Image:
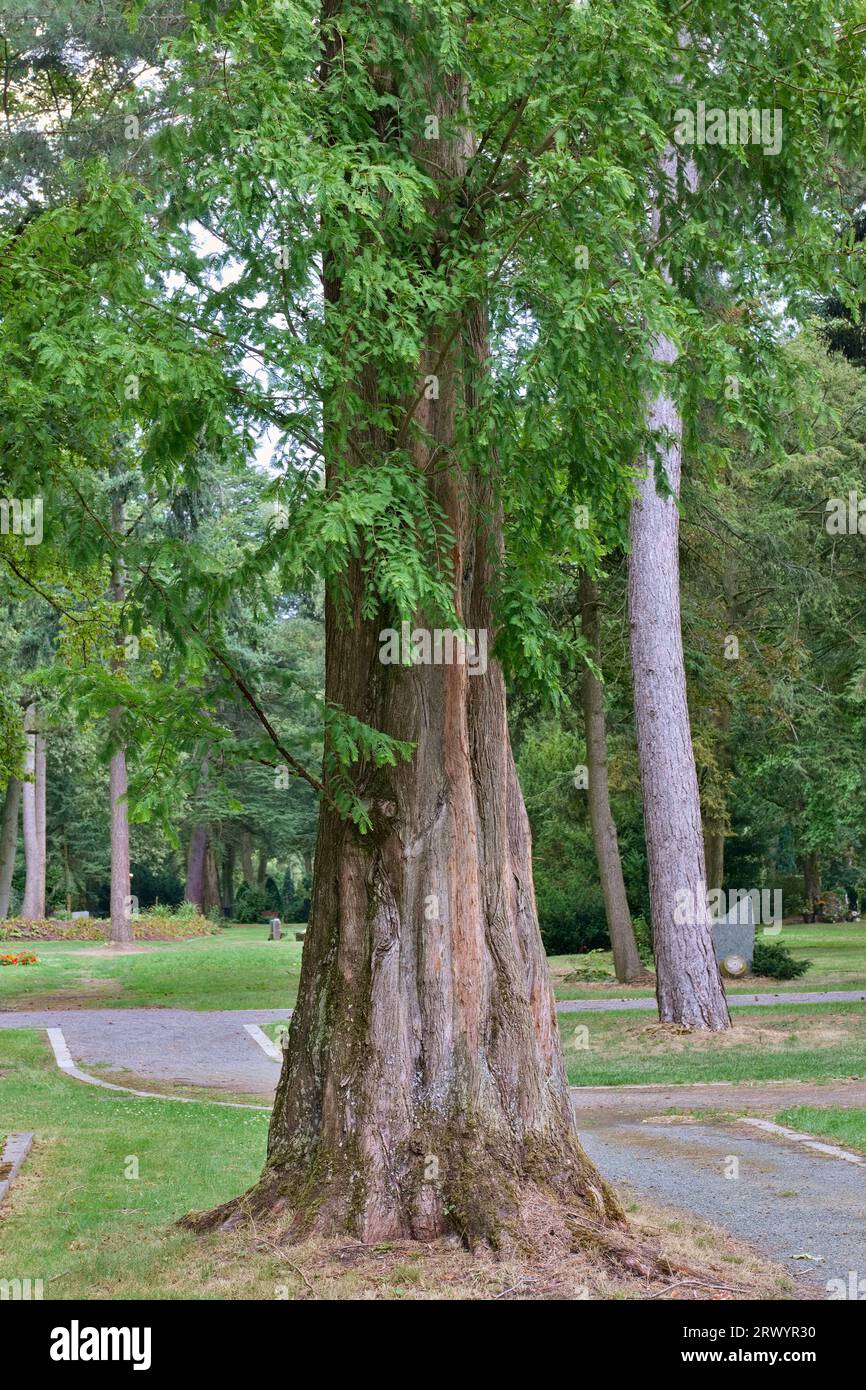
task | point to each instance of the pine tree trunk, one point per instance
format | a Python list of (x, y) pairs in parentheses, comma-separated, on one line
[(423, 1091), (8, 842), (195, 869), (627, 962), (33, 905), (688, 984)]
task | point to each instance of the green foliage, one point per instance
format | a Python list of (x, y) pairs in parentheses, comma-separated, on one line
[(773, 959)]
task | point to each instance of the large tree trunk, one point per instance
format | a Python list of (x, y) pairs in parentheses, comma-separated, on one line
[(195, 867), (688, 984), (122, 930), (423, 1091), (33, 905), (8, 842), (626, 960)]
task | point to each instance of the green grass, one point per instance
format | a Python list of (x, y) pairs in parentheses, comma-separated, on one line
[(75, 1221), (239, 969), (801, 1042), (837, 953), (840, 1126)]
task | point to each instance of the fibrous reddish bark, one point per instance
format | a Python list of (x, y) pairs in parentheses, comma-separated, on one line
[(423, 1090)]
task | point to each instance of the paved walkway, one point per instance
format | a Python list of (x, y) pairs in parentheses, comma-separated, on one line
[(180, 1045)]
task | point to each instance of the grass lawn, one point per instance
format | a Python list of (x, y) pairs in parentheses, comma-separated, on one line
[(238, 969), (847, 1127), (241, 969), (837, 953), (75, 1220), (802, 1042)]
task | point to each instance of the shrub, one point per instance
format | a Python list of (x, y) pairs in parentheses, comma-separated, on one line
[(644, 939), (775, 960), (250, 903), (572, 919)]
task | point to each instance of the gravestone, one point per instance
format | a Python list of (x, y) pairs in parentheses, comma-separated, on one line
[(734, 938), (276, 929)]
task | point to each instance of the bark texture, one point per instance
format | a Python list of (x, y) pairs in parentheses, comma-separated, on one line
[(33, 904), (423, 1090), (8, 842), (689, 988), (627, 961)]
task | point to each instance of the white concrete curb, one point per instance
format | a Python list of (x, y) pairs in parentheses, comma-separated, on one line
[(807, 1140)]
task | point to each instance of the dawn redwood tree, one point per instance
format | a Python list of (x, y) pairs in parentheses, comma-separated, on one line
[(423, 1089), (438, 305)]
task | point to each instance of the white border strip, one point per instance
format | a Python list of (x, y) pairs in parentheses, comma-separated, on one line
[(807, 1140), (263, 1041), (63, 1057)]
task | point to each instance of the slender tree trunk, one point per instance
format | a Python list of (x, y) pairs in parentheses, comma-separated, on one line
[(228, 880), (626, 960), (247, 858), (8, 842), (122, 930), (262, 872), (41, 788), (195, 870), (688, 984), (33, 905), (423, 1090), (714, 857), (811, 882), (211, 894)]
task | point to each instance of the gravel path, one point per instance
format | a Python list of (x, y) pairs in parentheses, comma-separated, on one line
[(785, 1201)]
